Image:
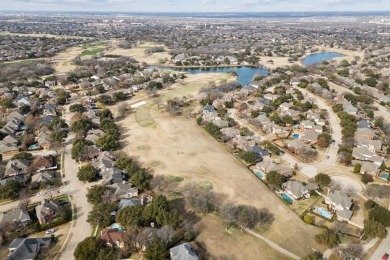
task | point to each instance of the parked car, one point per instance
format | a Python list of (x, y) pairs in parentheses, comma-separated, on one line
[(50, 231), (41, 193), (385, 257)]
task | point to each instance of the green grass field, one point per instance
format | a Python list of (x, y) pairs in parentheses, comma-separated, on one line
[(92, 52)]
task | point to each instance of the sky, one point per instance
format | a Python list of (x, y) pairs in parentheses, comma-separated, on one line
[(196, 5)]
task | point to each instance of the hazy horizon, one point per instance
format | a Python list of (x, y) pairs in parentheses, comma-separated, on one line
[(204, 6)]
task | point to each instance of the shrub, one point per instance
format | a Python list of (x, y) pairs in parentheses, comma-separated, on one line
[(369, 204), (366, 178), (357, 168), (329, 238)]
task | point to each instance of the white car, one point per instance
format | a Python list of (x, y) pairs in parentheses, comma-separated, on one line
[(50, 231), (41, 193)]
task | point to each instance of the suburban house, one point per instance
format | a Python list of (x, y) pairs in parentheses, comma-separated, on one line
[(307, 125), (19, 178), (349, 108), (27, 248), (271, 97), (123, 190), (257, 150), (43, 139), (42, 177), (268, 165), (364, 154), (112, 175), (93, 135), (310, 136), (243, 142), (8, 148), (229, 133), (372, 145), (220, 122), (364, 123), (123, 203), (285, 106), (341, 203), (18, 216), (364, 133), (16, 167), (209, 113), (296, 146), (111, 237), (367, 167), (44, 163), (291, 112), (298, 189), (104, 161), (47, 210), (183, 252)]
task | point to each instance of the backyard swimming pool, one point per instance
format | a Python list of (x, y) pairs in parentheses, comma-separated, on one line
[(117, 226), (295, 136), (384, 175), (260, 175), (286, 198), (324, 213)]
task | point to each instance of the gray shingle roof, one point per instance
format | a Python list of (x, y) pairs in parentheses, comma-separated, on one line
[(183, 252), (27, 248)]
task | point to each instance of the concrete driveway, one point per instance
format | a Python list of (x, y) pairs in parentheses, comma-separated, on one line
[(348, 183)]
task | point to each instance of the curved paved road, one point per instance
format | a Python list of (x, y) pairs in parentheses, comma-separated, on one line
[(80, 228), (330, 157)]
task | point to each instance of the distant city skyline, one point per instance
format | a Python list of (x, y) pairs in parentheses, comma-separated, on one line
[(197, 6)]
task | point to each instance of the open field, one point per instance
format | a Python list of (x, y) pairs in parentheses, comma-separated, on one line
[(42, 35), (229, 243), (193, 83), (139, 54), (179, 147), (277, 62)]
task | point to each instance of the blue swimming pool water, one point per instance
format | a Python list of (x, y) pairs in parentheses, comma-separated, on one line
[(324, 213), (385, 176), (259, 174), (117, 226), (295, 136), (317, 58), (286, 198)]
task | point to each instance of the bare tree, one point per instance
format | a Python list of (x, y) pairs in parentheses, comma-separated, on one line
[(309, 153), (351, 251), (341, 227), (166, 233), (24, 199), (123, 109), (380, 191)]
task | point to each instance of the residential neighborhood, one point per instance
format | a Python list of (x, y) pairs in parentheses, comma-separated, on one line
[(169, 135)]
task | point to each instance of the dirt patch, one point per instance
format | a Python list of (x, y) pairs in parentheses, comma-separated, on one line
[(188, 151)]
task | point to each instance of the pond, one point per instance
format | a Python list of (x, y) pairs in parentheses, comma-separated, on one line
[(317, 58), (244, 73)]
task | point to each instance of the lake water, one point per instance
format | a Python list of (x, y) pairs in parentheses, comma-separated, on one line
[(317, 58), (245, 74)]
